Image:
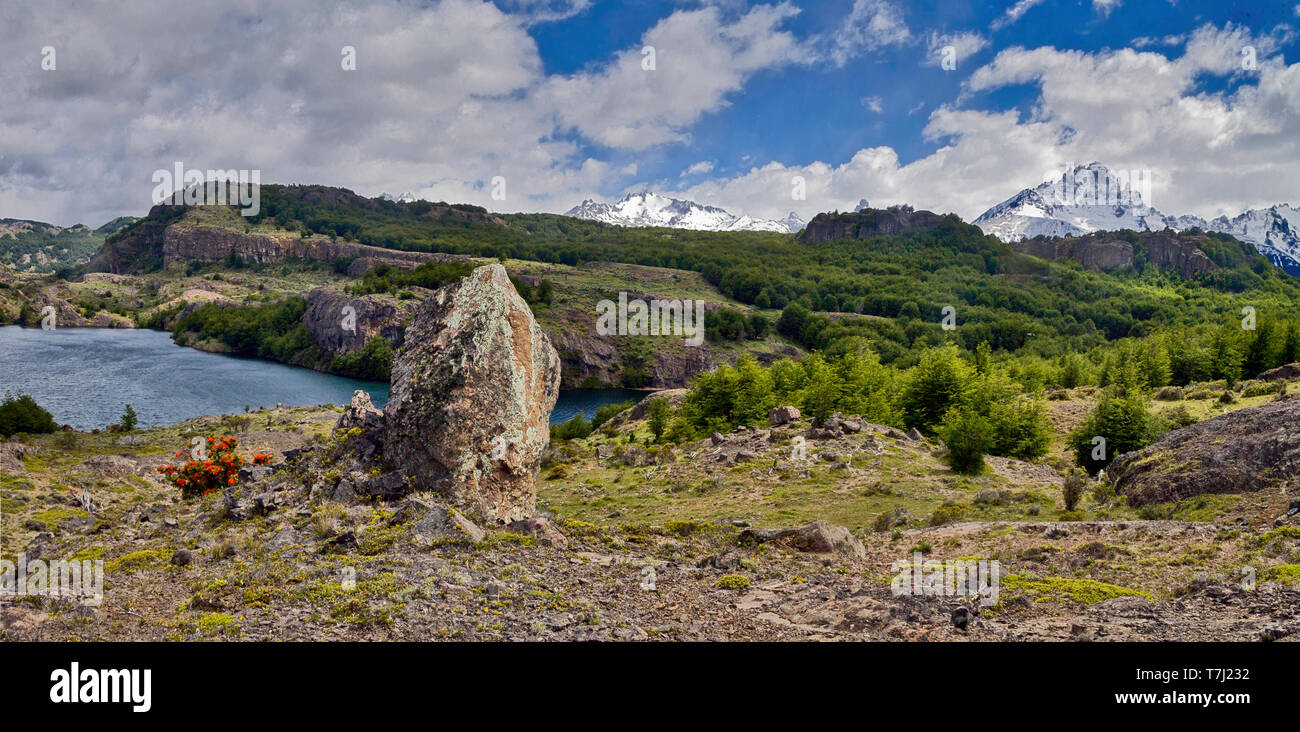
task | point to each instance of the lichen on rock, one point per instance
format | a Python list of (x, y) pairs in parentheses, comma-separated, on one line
[(471, 397)]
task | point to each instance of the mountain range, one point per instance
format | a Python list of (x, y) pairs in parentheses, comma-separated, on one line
[(652, 209), (1091, 198)]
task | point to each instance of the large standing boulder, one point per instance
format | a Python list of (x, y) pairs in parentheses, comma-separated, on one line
[(472, 391), (1246, 450)]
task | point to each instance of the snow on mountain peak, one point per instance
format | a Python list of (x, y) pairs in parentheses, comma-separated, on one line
[(648, 208), (1087, 198)]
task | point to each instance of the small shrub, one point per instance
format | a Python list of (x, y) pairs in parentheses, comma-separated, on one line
[(732, 582), (128, 420), (576, 428), (948, 513), (1072, 488), (1169, 394), (208, 475), (967, 435)]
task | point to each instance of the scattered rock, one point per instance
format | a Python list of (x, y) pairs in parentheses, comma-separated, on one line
[(817, 537), (783, 415), (360, 414), (182, 557), (344, 542), (436, 523), (109, 465), (11, 456), (960, 618), (254, 473), (633, 456), (541, 529), (39, 544)]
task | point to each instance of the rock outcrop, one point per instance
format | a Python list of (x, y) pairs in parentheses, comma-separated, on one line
[(867, 223), (1246, 450), (1106, 251), (336, 329), (471, 398), (1286, 371)]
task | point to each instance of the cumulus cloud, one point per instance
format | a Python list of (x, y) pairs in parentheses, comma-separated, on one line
[(447, 95), (1210, 153), (444, 96), (686, 66)]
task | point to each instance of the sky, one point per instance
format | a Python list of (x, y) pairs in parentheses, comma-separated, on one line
[(536, 105)]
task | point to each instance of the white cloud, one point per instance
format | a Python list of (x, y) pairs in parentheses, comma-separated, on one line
[(964, 45), (446, 95), (1169, 40), (871, 25), (1105, 6), (698, 60), (544, 11), (874, 103), (704, 166), (1211, 153), (1014, 13)]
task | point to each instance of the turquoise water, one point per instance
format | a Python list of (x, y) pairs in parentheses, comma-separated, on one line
[(84, 377)]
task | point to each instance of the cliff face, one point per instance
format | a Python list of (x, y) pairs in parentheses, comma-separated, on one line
[(134, 251), (1106, 251), (213, 244), (176, 234), (152, 243), (867, 223), (339, 331)]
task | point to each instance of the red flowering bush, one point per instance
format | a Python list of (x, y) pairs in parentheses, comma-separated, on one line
[(212, 469)]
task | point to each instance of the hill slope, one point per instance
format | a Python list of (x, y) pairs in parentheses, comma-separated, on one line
[(35, 246)]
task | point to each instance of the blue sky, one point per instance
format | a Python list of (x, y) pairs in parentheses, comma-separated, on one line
[(551, 97), (826, 112)]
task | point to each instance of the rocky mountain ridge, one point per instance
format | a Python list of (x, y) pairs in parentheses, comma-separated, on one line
[(1091, 198)]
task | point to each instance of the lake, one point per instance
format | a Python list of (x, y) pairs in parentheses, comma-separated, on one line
[(84, 377)]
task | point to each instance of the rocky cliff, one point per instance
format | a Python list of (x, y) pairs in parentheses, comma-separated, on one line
[(867, 223), (152, 244), (339, 330), (1108, 251)]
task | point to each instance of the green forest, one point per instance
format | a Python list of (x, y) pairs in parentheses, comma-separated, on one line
[(942, 328)]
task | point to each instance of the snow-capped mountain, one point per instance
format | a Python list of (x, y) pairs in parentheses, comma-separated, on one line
[(1091, 198), (1275, 232), (407, 197), (652, 209)]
